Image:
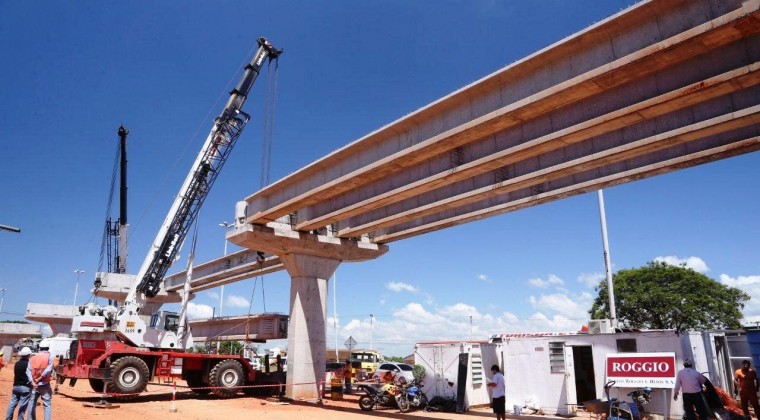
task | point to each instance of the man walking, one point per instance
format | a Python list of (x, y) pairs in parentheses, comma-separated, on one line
[(41, 371), (22, 386), (690, 381), (746, 385), (499, 393)]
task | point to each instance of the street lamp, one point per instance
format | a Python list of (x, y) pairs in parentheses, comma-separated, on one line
[(226, 226), (2, 298), (76, 290)]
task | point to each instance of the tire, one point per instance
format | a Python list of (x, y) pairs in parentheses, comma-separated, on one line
[(96, 384), (226, 378), (129, 377), (366, 403), (423, 400), (196, 384), (403, 403)]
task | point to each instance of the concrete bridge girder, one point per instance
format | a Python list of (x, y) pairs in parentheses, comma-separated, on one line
[(661, 86)]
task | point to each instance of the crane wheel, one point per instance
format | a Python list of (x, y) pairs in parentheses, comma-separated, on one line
[(226, 378), (129, 377), (96, 384)]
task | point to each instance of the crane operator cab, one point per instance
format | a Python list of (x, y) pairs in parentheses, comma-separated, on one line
[(163, 329)]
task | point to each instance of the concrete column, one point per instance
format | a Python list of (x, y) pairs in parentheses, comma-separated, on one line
[(308, 312)]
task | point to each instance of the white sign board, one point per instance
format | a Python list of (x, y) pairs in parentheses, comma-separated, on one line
[(637, 370)]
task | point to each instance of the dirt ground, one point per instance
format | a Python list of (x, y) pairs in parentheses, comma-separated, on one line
[(156, 403)]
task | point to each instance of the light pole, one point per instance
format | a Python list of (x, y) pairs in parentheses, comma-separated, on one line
[(2, 298), (226, 226), (76, 290)]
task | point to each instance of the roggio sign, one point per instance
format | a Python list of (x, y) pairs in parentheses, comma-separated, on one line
[(633, 370)]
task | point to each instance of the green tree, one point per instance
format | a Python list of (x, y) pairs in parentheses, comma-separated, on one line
[(397, 359), (662, 296)]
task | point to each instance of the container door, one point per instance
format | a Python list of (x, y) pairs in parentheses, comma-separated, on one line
[(567, 405)]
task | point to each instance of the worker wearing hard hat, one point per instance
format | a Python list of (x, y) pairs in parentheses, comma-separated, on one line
[(41, 371), (22, 385)]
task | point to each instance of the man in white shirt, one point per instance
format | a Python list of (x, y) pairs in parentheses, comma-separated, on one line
[(690, 381), (499, 396)]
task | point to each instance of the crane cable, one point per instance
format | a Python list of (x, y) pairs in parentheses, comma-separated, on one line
[(270, 102)]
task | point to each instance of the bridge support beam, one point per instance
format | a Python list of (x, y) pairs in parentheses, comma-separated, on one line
[(311, 260), (309, 276)]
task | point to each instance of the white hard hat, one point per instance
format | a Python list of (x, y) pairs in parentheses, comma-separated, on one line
[(44, 344), (26, 351)]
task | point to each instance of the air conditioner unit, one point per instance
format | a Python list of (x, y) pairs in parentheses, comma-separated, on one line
[(600, 326)]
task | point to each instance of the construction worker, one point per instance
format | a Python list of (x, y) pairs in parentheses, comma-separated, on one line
[(691, 381), (41, 371), (347, 376), (746, 385), (22, 385)]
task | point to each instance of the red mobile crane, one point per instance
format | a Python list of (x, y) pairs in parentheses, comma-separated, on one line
[(124, 349)]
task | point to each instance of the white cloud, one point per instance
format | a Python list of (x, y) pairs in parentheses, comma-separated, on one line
[(195, 311), (695, 263), (459, 310), (543, 284), (398, 287), (395, 334), (483, 277), (213, 294), (751, 286), (569, 306), (233, 301), (591, 280)]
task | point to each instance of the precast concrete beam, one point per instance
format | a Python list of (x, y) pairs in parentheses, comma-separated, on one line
[(342, 173), (11, 332), (58, 317), (115, 286), (236, 266)]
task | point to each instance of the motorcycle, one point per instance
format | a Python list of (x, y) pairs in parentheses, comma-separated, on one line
[(411, 397), (623, 410), (374, 396), (641, 397)]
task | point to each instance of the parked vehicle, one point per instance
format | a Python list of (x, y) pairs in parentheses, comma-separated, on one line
[(399, 370), (124, 348), (385, 395), (413, 395), (333, 366)]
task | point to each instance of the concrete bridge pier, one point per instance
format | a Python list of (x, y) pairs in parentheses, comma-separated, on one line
[(309, 277), (310, 259)]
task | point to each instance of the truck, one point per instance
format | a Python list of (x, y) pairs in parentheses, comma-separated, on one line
[(119, 349)]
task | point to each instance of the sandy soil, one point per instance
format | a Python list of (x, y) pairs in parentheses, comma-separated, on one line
[(157, 403)]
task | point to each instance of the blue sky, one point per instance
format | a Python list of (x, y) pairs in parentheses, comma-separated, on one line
[(74, 71)]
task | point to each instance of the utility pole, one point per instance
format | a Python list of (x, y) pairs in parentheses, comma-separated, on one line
[(335, 314), (371, 329), (76, 289), (607, 265)]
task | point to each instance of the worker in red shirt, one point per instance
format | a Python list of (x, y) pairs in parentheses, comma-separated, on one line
[(746, 385)]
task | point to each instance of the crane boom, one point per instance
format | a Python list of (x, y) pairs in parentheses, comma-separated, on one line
[(217, 147)]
